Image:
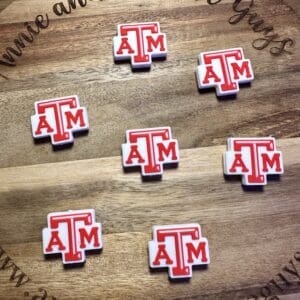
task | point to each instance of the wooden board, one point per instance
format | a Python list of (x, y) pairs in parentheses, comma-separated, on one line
[(74, 56), (253, 236)]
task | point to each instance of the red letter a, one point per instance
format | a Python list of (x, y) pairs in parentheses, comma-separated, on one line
[(210, 74), (55, 241), (238, 163), (43, 123), (162, 254), (125, 46), (134, 154)]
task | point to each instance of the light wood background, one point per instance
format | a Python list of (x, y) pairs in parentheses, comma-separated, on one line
[(74, 56), (252, 235)]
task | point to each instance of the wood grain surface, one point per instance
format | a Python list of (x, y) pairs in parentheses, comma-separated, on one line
[(253, 235), (74, 56)]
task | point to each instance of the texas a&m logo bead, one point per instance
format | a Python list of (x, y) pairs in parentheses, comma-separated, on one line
[(150, 149), (253, 159), (71, 233), (224, 70), (178, 248), (140, 43), (58, 119)]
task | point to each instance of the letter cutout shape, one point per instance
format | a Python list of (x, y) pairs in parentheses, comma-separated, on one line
[(178, 248), (253, 159), (224, 70), (150, 149), (139, 43), (71, 233), (58, 119)]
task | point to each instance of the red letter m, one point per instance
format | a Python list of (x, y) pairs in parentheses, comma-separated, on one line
[(153, 44), (75, 118), (200, 251), (267, 161), (85, 236), (165, 152), (241, 70)]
